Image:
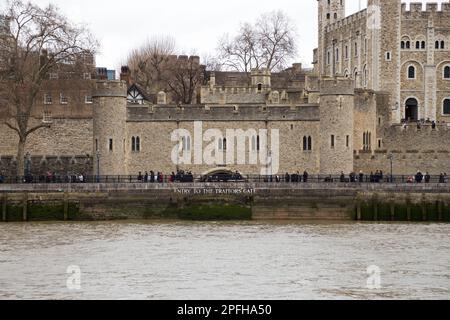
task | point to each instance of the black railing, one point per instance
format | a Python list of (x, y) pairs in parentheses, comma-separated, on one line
[(236, 178)]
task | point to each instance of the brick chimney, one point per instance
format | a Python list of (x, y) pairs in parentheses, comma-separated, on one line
[(125, 75)]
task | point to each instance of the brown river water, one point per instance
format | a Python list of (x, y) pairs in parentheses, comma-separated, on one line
[(239, 260)]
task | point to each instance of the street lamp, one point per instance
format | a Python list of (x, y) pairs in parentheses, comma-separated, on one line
[(391, 158), (98, 166)]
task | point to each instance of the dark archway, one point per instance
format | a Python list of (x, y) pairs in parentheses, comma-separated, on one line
[(411, 110)]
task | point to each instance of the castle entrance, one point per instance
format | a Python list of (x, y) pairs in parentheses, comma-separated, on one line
[(412, 110)]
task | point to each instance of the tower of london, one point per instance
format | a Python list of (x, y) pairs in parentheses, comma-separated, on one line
[(379, 91)]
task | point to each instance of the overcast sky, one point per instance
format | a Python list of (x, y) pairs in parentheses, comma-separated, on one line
[(196, 25)]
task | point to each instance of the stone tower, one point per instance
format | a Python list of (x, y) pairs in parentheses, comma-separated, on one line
[(330, 11), (110, 113), (336, 125), (384, 28)]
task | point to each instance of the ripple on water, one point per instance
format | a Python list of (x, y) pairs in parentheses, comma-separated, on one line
[(214, 260)]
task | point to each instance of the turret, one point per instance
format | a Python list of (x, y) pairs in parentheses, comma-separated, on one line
[(330, 11), (336, 125), (110, 112)]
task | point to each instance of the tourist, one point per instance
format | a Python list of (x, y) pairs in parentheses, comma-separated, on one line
[(433, 125), (2, 178), (152, 176), (140, 177), (146, 177), (305, 177), (172, 177), (419, 177), (81, 178), (427, 178), (342, 179), (441, 178), (361, 176), (287, 178)]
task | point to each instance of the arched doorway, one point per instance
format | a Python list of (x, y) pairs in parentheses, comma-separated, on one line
[(411, 110)]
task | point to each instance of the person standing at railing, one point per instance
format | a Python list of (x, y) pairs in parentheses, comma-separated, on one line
[(427, 178), (305, 177)]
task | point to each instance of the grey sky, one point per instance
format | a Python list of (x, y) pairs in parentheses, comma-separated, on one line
[(196, 25)]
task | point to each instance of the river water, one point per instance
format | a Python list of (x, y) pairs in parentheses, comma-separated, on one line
[(242, 260)]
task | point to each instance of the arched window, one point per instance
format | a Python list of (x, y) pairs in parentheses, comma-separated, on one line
[(408, 45), (133, 144), (257, 143), (259, 87), (442, 44), (253, 143), (436, 45), (309, 143), (305, 143), (423, 45), (417, 44), (402, 44), (224, 145), (138, 144), (446, 107), (447, 72), (411, 72)]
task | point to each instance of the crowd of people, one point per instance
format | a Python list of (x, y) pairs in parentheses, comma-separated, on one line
[(151, 177), (296, 177)]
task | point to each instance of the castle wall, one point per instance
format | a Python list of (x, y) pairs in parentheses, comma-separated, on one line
[(65, 137), (156, 150)]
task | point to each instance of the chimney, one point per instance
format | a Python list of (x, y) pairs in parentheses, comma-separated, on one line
[(125, 75)]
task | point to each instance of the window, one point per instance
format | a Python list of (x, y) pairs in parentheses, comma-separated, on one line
[(402, 45), (411, 72), (259, 87), (446, 107), (388, 56), (417, 44), (135, 144), (442, 44), (337, 55), (110, 145), (88, 100), (408, 45), (332, 141), (356, 49), (367, 141), (307, 143), (346, 52), (87, 76), (328, 58), (447, 72), (96, 144), (423, 45), (62, 98), (47, 98), (186, 143), (347, 141), (436, 45)]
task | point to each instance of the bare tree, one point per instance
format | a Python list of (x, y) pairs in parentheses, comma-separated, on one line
[(184, 77), (148, 63), (276, 40), (35, 42), (269, 43)]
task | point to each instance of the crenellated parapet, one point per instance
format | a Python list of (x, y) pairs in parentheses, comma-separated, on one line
[(349, 22), (418, 9), (110, 89)]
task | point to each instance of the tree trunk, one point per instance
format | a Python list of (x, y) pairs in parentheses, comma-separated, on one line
[(21, 158)]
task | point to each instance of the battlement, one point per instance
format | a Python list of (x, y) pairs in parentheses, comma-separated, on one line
[(339, 86), (305, 112), (432, 7), (105, 88), (349, 21)]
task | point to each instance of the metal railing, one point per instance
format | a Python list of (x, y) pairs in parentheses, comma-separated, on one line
[(232, 178)]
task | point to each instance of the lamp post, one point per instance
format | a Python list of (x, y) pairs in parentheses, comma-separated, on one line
[(391, 158), (98, 166)]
